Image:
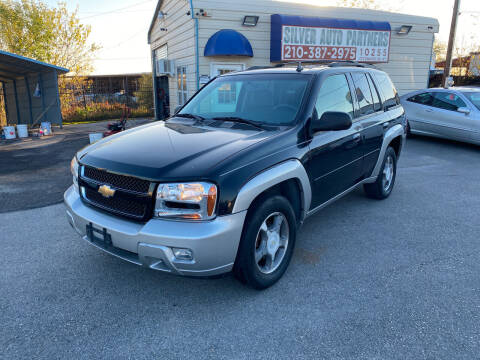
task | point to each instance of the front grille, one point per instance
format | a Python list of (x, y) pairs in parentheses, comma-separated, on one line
[(119, 181), (133, 197), (118, 205)]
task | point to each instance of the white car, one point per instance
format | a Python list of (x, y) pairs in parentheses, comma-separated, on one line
[(452, 113)]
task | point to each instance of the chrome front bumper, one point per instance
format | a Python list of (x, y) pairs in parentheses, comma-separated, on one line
[(214, 243)]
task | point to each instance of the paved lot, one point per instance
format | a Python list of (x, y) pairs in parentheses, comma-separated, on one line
[(397, 279), (36, 172)]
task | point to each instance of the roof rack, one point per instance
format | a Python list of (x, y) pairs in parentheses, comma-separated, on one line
[(300, 64)]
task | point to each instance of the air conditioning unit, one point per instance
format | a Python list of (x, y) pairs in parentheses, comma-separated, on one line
[(165, 67)]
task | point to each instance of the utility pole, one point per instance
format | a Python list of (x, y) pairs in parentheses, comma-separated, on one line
[(451, 43)]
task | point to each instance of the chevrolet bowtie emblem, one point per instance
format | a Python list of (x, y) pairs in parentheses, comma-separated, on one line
[(106, 191)]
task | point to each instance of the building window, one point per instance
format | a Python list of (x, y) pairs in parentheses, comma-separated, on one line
[(227, 94), (182, 85)]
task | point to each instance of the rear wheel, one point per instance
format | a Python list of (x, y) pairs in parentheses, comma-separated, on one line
[(267, 243), (383, 186)]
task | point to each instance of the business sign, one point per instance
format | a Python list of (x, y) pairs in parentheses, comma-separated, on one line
[(297, 38)]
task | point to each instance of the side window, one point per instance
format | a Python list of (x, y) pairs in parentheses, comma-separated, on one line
[(447, 101), (362, 90), (377, 105), (422, 99), (334, 95), (387, 90)]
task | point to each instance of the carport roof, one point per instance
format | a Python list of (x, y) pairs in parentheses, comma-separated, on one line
[(14, 66)]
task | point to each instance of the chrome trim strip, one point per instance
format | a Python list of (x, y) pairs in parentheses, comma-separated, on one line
[(335, 198), (290, 169)]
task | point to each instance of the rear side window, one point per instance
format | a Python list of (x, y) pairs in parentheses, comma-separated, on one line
[(387, 90), (447, 101), (334, 95), (422, 99), (363, 93)]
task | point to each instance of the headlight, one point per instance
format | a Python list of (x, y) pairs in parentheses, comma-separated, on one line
[(191, 201), (74, 171)]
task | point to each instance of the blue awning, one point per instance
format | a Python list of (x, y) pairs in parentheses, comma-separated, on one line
[(228, 43)]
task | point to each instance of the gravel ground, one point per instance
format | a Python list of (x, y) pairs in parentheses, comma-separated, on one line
[(393, 279)]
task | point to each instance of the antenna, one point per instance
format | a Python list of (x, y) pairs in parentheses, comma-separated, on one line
[(299, 67)]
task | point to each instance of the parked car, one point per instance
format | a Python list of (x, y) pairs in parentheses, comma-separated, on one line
[(227, 181), (452, 113)]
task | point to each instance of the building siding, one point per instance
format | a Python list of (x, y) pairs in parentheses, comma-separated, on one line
[(408, 65)]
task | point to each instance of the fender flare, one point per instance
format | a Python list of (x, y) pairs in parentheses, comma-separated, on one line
[(290, 169), (392, 133)]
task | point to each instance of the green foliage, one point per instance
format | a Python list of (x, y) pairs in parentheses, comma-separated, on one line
[(145, 94), (30, 28)]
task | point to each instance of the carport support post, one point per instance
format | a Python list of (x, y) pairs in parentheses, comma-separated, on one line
[(29, 96), (57, 99), (42, 95), (16, 100)]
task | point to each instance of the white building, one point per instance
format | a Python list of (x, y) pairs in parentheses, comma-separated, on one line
[(192, 41)]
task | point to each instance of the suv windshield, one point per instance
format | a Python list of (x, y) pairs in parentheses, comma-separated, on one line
[(269, 99), (474, 98)]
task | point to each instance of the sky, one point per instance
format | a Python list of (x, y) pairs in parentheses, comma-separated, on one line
[(121, 26)]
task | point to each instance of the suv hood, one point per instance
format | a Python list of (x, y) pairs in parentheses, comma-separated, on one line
[(175, 150)]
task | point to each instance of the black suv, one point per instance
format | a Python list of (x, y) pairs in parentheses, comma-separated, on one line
[(226, 182)]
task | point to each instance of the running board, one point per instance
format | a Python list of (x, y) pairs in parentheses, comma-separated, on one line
[(335, 198)]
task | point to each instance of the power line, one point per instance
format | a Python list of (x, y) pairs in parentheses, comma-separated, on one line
[(116, 10)]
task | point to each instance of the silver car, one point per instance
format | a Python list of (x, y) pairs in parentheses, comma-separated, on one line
[(452, 113)]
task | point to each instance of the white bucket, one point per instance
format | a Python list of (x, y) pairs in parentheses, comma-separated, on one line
[(9, 132), (22, 130), (95, 137), (46, 128)]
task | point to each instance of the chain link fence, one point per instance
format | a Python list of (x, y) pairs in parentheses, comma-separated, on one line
[(96, 98)]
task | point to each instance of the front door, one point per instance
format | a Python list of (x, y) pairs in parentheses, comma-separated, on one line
[(220, 69), (335, 158)]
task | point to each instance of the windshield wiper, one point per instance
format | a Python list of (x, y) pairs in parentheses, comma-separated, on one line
[(239, 120), (190, 116)]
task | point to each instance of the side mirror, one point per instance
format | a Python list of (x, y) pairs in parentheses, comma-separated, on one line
[(464, 110), (177, 109), (332, 121)]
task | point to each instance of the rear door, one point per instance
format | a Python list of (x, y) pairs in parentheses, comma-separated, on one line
[(370, 118), (334, 162), (419, 109)]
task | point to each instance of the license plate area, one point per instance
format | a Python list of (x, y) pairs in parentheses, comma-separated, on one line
[(99, 236)]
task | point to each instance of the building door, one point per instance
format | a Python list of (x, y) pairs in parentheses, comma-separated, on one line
[(163, 98), (220, 69)]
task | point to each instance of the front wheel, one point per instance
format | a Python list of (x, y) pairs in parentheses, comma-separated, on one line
[(267, 243), (383, 186)]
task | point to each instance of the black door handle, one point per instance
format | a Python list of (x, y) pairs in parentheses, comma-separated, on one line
[(385, 125), (356, 137)]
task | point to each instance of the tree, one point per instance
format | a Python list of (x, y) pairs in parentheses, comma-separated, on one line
[(440, 50), (30, 28)]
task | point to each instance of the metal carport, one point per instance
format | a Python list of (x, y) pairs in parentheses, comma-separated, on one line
[(30, 90)]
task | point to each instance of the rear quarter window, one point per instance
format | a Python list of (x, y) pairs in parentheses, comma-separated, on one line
[(387, 89)]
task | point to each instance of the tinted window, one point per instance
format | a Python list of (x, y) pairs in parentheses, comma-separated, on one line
[(422, 99), (387, 89), (364, 96), (377, 105), (334, 95), (447, 101)]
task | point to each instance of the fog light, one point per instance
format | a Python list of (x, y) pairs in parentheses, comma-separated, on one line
[(182, 254)]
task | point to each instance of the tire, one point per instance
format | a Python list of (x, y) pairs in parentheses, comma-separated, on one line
[(383, 186), (255, 265)]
